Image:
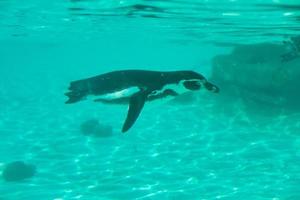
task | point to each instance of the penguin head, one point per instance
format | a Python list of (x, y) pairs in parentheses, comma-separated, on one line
[(196, 85)]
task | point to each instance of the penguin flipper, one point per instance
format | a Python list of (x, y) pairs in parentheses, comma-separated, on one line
[(136, 104)]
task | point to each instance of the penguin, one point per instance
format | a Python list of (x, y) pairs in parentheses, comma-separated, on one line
[(135, 87)]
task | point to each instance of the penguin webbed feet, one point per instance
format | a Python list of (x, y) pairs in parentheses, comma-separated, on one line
[(74, 97)]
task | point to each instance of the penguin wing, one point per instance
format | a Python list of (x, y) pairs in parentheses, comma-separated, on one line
[(136, 104)]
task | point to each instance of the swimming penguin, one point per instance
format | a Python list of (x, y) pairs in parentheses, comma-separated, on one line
[(139, 86)]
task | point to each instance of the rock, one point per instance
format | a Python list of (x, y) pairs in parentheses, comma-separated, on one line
[(260, 73), (18, 171), (92, 127)]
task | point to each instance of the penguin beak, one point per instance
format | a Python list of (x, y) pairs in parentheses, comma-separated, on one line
[(211, 87)]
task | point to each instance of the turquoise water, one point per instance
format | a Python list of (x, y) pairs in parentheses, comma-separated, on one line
[(201, 146)]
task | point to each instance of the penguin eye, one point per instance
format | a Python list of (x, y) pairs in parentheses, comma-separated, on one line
[(192, 85)]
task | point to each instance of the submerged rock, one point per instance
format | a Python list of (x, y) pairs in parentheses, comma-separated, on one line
[(94, 128), (259, 72), (18, 171)]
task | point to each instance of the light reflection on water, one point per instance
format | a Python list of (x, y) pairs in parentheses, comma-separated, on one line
[(208, 21)]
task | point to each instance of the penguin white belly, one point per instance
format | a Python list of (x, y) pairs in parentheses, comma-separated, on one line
[(121, 93)]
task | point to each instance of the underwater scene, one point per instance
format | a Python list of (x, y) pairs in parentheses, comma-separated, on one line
[(150, 100)]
